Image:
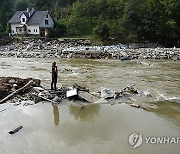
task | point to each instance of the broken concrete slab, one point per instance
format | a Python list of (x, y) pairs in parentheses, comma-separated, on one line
[(87, 96), (71, 93)]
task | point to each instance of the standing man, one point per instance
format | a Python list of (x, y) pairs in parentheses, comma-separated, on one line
[(54, 76)]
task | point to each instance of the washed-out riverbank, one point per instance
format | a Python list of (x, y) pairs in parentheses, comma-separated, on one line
[(83, 49)]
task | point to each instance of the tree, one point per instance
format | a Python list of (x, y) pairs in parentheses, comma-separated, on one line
[(1, 28), (42, 4), (6, 13), (102, 30), (21, 6), (59, 30)]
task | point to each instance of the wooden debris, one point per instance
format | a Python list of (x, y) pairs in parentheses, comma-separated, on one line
[(49, 100), (11, 84), (80, 88), (130, 89), (138, 106), (15, 130), (38, 89), (17, 91), (135, 105), (144, 108)]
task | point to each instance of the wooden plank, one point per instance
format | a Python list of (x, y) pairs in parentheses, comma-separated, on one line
[(15, 130), (17, 91)]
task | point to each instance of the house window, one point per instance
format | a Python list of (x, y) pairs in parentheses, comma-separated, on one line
[(29, 30), (23, 19), (46, 22), (46, 15)]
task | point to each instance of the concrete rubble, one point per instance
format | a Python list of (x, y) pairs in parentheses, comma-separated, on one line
[(83, 49), (65, 95)]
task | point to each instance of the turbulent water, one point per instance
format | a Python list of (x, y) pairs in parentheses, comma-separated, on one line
[(97, 128)]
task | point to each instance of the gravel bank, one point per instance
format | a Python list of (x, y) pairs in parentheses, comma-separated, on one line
[(83, 49)]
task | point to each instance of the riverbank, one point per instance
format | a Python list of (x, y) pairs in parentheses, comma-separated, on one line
[(83, 49)]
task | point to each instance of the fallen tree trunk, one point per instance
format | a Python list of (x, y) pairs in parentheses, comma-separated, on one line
[(16, 92)]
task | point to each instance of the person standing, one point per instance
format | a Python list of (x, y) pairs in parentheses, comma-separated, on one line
[(54, 76)]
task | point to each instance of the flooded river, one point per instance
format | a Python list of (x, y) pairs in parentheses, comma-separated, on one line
[(96, 128)]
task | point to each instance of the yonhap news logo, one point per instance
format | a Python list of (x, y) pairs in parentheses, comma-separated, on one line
[(136, 140)]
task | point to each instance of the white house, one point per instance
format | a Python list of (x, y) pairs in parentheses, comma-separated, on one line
[(31, 22)]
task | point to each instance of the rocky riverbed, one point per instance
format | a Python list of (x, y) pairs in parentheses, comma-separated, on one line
[(83, 49)]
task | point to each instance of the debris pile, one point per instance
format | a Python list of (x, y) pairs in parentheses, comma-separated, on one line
[(83, 49), (11, 86), (29, 91)]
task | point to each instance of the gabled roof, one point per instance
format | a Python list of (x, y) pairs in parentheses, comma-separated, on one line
[(35, 18), (16, 17)]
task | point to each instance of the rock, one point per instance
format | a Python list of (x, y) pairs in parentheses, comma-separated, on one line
[(107, 93), (126, 58), (57, 99), (83, 49), (12, 81)]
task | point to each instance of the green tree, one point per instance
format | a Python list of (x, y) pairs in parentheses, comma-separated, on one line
[(102, 30), (59, 30), (6, 13), (42, 4), (21, 6), (1, 28)]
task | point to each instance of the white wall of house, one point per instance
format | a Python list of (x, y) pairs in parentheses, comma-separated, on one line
[(33, 29), (47, 21), (13, 28)]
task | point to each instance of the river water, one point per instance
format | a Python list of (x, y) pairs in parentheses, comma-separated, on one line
[(96, 128)]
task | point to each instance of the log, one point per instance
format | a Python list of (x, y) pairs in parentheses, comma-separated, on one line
[(16, 92), (15, 130), (135, 105)]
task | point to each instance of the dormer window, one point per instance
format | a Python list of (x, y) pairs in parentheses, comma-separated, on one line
[(23, 20), (46, 22)]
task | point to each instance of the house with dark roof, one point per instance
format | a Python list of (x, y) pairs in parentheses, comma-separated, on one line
[(31, 22)]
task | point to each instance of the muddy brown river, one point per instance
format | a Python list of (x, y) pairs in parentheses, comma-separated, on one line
[(96, 128)]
